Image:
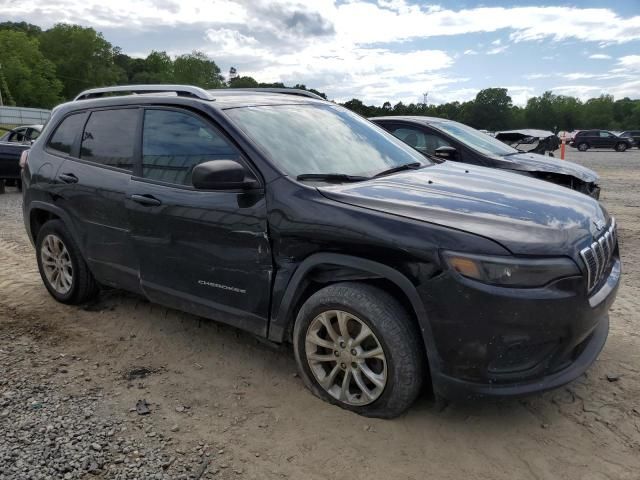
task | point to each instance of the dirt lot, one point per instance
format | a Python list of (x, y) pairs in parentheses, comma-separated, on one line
[(224, 405)]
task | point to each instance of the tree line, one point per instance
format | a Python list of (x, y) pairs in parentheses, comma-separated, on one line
[(42, 68)]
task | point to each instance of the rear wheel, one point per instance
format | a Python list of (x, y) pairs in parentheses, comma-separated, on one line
[(583, 147), (357, 347), (63, 270), (621, 147)]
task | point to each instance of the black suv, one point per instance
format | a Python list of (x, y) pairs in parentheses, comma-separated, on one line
[(297, 220), (458, 142), (633, 135), (586, 139)]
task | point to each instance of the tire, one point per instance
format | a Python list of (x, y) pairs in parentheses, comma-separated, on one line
[(583, 147), (400, 369), (621, 147), (78, 285)]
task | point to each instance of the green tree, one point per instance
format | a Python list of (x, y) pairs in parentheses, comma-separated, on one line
[(598, 112), (491, 109), (28, 28), (243, 82), (540, 111), (27, 78), (156, 68), (197, 69), (83, 58)]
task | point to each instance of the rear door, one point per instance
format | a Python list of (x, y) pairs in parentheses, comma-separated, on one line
[(206, 252), (93, 183), (591, 137)]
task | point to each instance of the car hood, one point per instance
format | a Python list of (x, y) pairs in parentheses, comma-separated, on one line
[(533, 162), (525, 215)]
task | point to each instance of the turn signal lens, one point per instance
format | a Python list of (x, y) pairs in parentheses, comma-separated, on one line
[(466, 267)]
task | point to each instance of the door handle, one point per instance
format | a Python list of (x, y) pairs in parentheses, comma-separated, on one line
[(146, 200), (68, 178)]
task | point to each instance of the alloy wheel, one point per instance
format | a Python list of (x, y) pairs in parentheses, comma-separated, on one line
[(56, 263), (346, 358)]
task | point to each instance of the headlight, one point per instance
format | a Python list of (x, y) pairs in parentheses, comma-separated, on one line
[(511, 271)]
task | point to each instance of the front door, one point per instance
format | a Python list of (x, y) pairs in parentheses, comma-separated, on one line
[(206, 252), (607, 140)]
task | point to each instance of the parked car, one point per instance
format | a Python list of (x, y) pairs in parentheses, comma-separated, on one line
[(565, 135), (530, 140), (633, 135), (586, 139), (25, 134), (297, 220), (12, 144), (455, 141)]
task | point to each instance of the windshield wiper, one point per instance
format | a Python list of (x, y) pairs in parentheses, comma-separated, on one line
[(399, 168), (332, 177)]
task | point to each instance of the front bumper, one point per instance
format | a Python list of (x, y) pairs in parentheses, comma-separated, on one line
[(494, 341)]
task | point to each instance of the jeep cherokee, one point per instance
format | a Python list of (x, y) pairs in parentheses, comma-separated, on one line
[(297, 220)]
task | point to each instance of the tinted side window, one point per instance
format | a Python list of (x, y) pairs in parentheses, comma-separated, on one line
[(32, 134), (110, 138), (63, 138), (175, 142), (422, 141)]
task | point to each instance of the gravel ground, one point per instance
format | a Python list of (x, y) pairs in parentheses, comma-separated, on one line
[(223, 405)]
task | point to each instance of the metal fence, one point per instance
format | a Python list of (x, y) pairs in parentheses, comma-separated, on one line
[(14, 116)]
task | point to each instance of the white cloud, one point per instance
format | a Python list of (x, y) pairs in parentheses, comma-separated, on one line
[(520, 93), (580, 75), (135, 13), (536, 76), (357, 20), (630, 62), (583, 92), (600, 56), (496, 50), (348, 48)]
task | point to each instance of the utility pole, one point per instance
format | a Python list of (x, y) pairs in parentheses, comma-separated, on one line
[(425, 95)]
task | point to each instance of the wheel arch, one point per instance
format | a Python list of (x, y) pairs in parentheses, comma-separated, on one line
[(321, 269), (40, 212)]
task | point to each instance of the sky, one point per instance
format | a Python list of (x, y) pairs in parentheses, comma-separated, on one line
[(381, 50)]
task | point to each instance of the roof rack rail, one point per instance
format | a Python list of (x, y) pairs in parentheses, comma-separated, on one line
[(286, 91), (180, 90)]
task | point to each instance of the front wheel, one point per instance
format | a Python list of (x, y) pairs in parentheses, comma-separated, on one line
[(621, 147), (358, 348), (583, 147)]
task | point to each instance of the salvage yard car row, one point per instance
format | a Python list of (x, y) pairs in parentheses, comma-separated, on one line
[(386, 266)]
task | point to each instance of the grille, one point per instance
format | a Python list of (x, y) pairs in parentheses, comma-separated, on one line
[(597, 256)]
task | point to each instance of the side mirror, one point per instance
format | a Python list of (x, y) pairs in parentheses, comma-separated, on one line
[(446, 153), (221, 175)]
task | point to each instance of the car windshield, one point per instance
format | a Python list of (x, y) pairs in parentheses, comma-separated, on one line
[(475, 139), (323, 139)]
